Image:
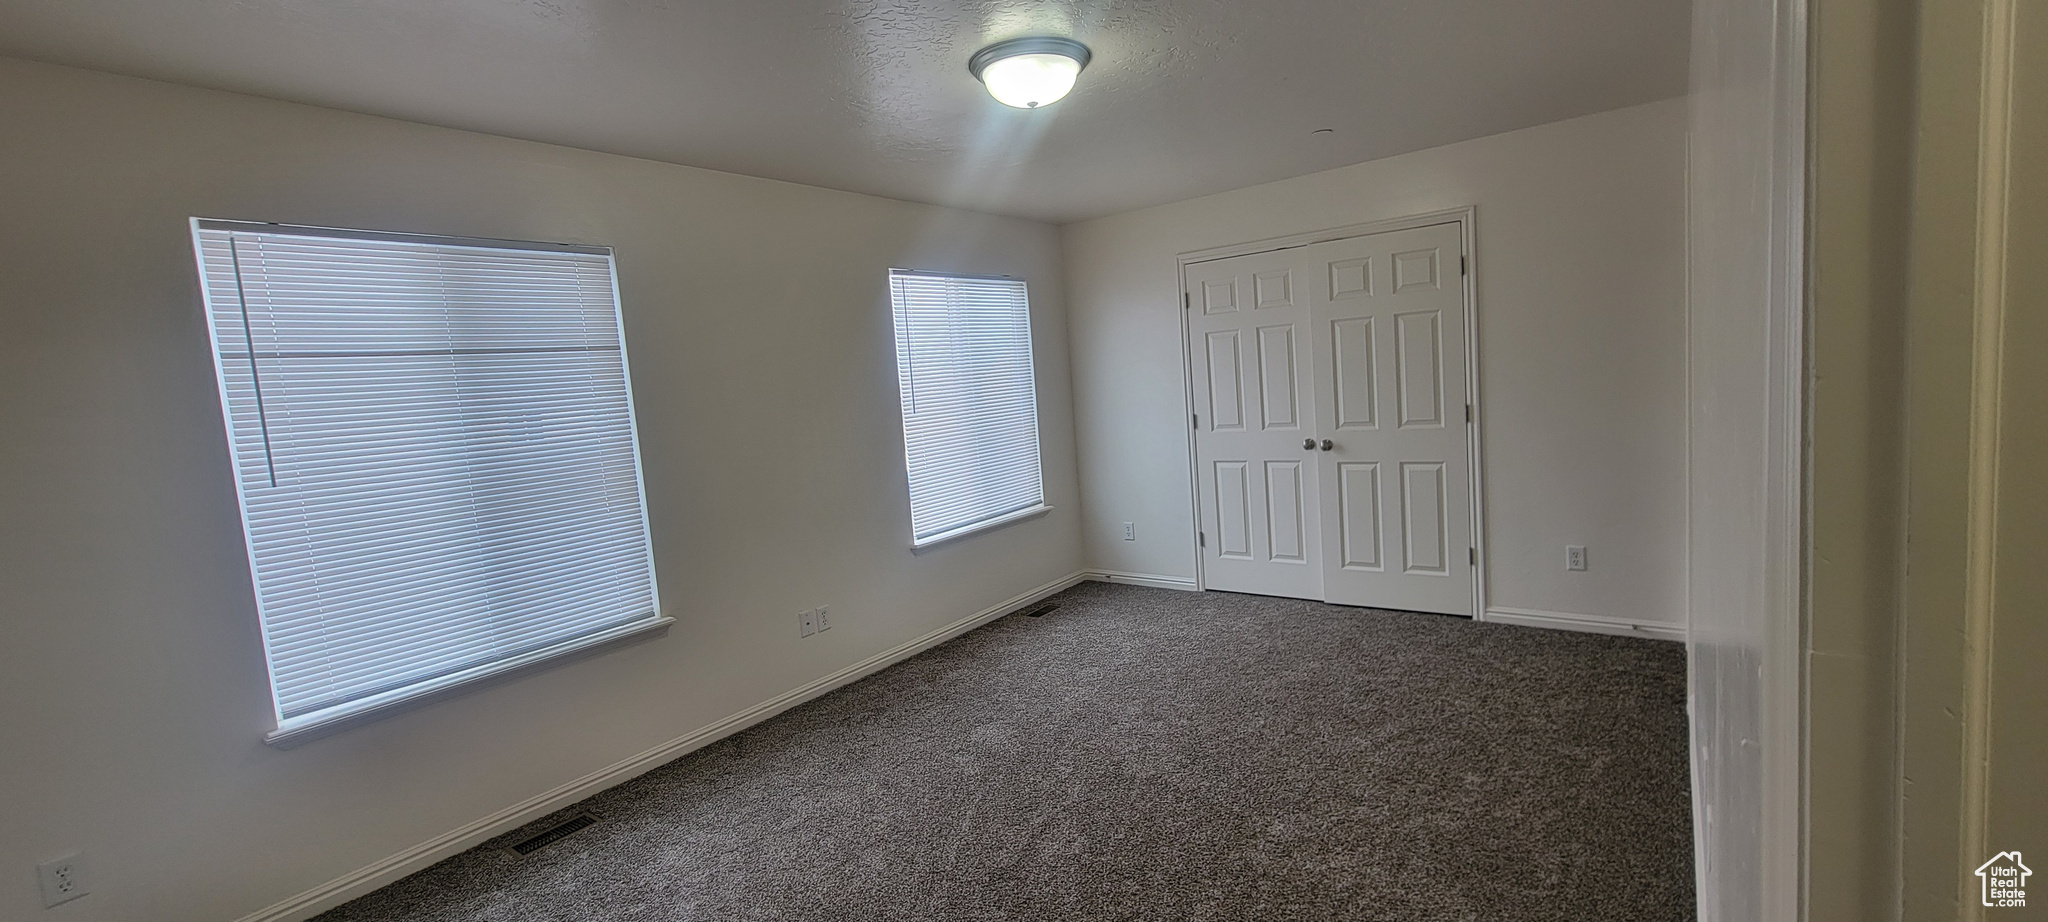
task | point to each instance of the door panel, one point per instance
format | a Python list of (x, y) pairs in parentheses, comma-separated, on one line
[(1421, 374), (1279, 384), (1226, 379), (1350, 278), (1352, 363), (1416, 269), (1233, 510), (1274, 289), (1422, 518), (1254, 404), (1389, 330), (1219, 296), (1358, 509), (1285, 511)]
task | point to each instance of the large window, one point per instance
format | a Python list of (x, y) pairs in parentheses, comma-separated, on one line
[(970, 403), (434, 450)]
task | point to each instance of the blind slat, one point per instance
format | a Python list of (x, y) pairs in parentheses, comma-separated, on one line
[(435, 454)]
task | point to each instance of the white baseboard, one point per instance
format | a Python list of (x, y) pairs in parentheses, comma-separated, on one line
[(1183, 583), (349, 886), (1596, 624)]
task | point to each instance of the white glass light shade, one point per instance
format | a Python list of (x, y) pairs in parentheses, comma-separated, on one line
[(1028, 81), (1030, 73)]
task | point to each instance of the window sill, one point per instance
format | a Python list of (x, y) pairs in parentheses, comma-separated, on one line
[(308, 727), (969, 531)]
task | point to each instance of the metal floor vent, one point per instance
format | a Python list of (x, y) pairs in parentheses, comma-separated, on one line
[(1040, 609), (557, 833)]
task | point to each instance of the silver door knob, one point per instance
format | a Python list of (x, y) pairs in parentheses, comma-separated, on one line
[(1327, 444), (1308, 444)]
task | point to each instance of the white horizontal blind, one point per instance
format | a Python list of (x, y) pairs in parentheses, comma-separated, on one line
[(970, 403), (434, 447)]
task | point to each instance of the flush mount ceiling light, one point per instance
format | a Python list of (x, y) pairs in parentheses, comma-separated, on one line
[(1028, 73)]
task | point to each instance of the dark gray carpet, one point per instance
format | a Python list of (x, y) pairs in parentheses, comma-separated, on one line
[(1151, 754)]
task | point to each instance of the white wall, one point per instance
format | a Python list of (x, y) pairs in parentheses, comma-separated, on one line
[(1580, 268), (1745, 200), (132, 690)]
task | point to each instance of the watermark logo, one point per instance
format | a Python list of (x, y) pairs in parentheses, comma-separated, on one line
[(2005, 880)]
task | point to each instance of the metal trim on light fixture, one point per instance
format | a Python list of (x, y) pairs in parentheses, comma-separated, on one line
[(1038, 44)]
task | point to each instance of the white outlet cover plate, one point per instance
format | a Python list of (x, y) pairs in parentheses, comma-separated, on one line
[(63, 879), (825, 618)]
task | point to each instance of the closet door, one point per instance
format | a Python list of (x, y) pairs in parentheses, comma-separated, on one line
[(1387, 313), (1255, 445)]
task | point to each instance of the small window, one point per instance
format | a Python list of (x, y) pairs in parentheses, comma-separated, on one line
[(970, 402), (434, 450)]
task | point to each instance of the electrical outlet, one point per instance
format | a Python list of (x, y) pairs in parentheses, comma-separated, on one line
[(1574, 556), (807, 622), (64, 879), (824, 617), (1130, 531)]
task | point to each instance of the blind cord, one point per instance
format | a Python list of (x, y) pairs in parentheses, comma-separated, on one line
[(249, 338)]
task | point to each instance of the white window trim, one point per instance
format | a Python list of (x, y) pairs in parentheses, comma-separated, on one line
[(969, 531), (297, 731)]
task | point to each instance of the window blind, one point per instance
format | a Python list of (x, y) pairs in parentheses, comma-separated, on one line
[(970, 401), (434, 451)]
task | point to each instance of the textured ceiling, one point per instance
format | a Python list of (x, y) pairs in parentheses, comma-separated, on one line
[(1184, 98)]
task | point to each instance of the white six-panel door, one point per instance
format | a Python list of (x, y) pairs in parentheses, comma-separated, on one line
[(1248, 333), (1372, 464), (1389, 348)]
